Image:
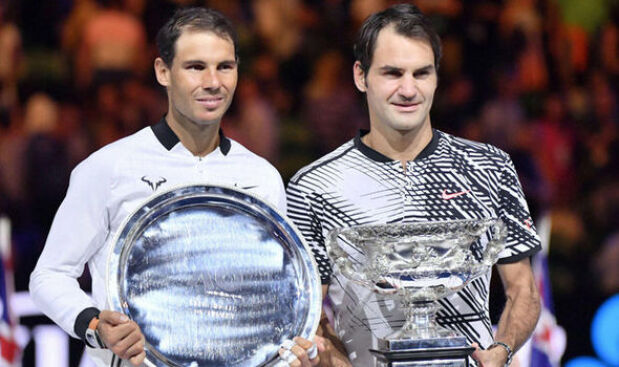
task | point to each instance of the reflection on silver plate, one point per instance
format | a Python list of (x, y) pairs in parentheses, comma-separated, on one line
[(213, 277)]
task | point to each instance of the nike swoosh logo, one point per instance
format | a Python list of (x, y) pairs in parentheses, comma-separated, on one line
[(447, 196)]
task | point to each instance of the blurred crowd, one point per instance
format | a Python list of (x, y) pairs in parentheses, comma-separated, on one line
[(537, 78)]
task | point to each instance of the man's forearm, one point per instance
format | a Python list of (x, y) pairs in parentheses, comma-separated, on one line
[(518, 320)]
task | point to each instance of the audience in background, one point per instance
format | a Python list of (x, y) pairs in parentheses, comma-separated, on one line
[(537, 78)]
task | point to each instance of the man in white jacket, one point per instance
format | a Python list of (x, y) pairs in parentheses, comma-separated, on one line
[(198, 66)]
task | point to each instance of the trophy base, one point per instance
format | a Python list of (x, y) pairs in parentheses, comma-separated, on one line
[(443, 352)]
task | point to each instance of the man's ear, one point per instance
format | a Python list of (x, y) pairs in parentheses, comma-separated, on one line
[(162, 72), (359, 76)]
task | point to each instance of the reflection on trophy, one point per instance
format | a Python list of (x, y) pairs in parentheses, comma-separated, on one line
[(418, 264), (214, 277)]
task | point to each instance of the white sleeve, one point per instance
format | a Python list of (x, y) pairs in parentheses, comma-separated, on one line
[(281, 197), (274, 190), (78, 231)]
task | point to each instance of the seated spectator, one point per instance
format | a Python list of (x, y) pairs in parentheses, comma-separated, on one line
[(114, 42)]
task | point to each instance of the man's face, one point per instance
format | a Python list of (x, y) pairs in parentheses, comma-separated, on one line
[(400, 82), (201, 80)]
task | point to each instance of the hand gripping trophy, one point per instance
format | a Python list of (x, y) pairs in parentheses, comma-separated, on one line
[(418, 264)]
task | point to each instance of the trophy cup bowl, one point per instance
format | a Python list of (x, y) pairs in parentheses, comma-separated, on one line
[(418, 264)]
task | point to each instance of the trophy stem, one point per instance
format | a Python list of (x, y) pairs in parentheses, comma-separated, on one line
[(421, 321), (421, 341)]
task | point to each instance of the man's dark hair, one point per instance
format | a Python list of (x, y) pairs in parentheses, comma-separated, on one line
[(193, 19), (408, 21)]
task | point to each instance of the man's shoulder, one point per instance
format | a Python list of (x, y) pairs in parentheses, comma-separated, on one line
[(251, 160), (116, 152), (328, 164), (470, 148)]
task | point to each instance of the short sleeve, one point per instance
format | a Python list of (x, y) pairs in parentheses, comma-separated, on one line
[(522, 239)]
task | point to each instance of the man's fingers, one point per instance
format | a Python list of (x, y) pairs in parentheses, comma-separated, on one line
[(316, 360), (301, 356), (135, 349), (328, 354), (114, 334), (289, 357), (112, 317), (320, 343), (303, 343), (475, 354), (138, 359), (125, 340), (306, 351), (130, 345)]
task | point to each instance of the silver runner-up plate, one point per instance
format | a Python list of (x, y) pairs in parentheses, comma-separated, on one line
[(214, 277)]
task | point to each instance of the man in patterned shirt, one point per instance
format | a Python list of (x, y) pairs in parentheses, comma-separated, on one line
[(404, 171)]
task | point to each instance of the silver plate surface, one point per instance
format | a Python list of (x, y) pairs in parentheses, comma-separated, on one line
[(214, 277)]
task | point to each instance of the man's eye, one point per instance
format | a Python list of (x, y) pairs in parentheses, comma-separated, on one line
[(422, 74), (195, 67), (226, 67), (393, 73)]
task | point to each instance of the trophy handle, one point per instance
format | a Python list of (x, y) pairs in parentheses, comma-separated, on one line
[(496, 244), (341, 259)]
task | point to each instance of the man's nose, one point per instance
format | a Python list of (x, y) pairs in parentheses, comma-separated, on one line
[(210, 79), (408, 87)]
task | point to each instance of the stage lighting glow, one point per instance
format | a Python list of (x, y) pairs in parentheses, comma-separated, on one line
[(585, 362), (605, 331)]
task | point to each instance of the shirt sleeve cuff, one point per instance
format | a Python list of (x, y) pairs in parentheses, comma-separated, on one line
[(83, 319)]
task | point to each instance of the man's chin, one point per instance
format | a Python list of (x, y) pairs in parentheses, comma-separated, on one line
[(207, 121), (407, 127)]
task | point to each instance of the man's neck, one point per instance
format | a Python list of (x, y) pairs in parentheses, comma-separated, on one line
[(402, 146), (200, 140)]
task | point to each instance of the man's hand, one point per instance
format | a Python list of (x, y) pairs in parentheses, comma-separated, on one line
[(494, 357), (299, 352), (122, 336), (330, 348), (326, 353), (330, 356)]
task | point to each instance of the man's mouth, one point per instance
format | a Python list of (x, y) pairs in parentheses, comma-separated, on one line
[(210, 102), (407, 107)]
